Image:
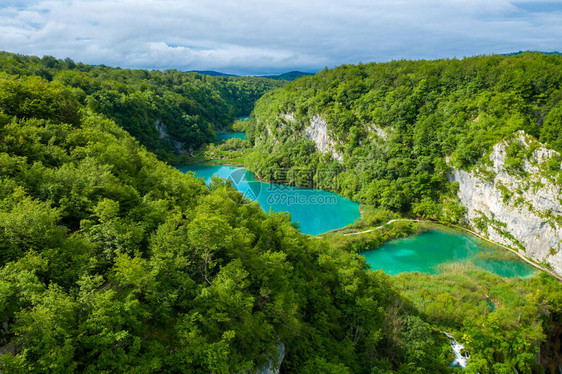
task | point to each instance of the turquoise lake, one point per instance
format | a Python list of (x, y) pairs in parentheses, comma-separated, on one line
[(316, 211), (426, 251), (221, 136), (319, 211)]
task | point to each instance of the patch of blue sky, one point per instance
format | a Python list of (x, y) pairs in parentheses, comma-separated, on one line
[(19, 4), (539, 6)]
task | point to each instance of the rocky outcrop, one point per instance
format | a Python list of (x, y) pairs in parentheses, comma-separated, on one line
[(286, 125), (380, 132), (275, 364), (164, 135), (521, 208), (317, 131), (289, 117)]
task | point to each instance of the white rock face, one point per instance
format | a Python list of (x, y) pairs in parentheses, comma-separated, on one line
[(289, 117), (317, 131), (164, 135), (382, 133), (520, 211)]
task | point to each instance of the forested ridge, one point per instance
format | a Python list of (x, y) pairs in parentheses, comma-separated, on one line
[(400, 126), (190, 106), (113, 261), (390, 134)]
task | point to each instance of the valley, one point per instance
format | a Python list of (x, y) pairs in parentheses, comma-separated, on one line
[(120, 253)]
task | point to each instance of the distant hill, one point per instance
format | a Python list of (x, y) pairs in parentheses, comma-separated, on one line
[(212, 73), (521, 52), (290, 76)]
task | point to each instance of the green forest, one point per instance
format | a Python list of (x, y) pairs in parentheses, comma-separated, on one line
[(187, 106), (111, 260), (424, 112)]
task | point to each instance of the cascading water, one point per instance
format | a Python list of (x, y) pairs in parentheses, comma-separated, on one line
[(461, 359)]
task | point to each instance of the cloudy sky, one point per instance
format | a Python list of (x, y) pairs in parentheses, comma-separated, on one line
[(266, 36)]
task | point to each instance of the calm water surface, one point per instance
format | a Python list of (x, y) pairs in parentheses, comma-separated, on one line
[(221, 136), (319, 211), (426, 251), (316, 211)]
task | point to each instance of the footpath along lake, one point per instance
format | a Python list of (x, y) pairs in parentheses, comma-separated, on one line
[(319, 211)]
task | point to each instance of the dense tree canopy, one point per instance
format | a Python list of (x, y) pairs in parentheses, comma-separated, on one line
[(396, 123), (113, 261), (153, 106)]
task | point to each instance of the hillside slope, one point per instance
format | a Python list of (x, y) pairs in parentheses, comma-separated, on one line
[(112, 261), (396, 134), (167, 111)]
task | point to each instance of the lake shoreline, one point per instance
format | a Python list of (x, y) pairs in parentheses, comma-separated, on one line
[(452, 227), (316, 211), (437, 224), (441, 251)]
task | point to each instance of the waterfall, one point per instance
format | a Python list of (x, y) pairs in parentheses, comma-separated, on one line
[(274, 364), (461, 359)]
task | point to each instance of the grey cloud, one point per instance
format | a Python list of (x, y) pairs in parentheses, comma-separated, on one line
[(247, 36)]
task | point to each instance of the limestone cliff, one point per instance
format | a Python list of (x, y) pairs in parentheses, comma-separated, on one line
[(514, 201), (317, 131), (514, 198), (376, 131), (164, 135)]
